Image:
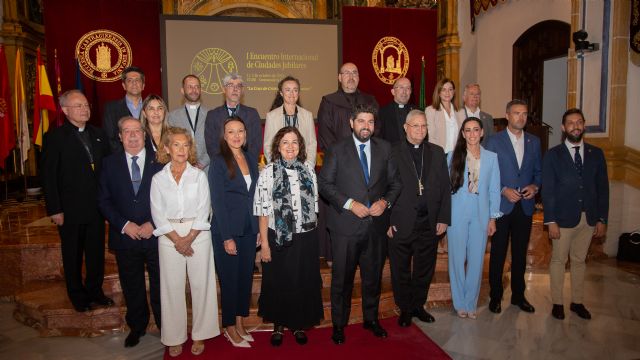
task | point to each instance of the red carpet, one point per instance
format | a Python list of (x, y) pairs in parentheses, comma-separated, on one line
[(402, 343)]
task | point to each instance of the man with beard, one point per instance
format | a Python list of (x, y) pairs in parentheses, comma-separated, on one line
[(392, 117), (360, 180), (519, 158), (191, 117), (334, 115), (575, 193)]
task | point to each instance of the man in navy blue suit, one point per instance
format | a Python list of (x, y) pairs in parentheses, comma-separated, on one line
[(125, 185), (519, 158), (214, 123), (575, 194)]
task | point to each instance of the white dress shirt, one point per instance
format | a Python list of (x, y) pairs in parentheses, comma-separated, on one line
[(187, 199), (367, 151), (518, 145), (572, 151), (470, 113), (142, 155), (452, 129)]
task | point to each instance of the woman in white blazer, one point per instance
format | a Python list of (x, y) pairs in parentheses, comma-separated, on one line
[(286, 111), (442, 122)]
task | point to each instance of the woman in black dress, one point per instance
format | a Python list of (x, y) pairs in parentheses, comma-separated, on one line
[(286, 202)]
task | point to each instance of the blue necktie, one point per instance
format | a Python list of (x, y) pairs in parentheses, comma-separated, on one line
[(363, 163), (136, 179), (577, 159)]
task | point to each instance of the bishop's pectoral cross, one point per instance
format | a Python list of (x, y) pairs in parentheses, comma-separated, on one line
[(420, 188)]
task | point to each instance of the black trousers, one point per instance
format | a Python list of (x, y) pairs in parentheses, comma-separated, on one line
[(131, 267), (78, 241), (411, 283), (366, 248), (516, 226)]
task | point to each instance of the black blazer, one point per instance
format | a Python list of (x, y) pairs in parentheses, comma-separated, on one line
[(561, 184), (341, 178), (113, 112), (436, 188), (119, 204), (231, 202), (70, 184), (213, 129), (390, 125)]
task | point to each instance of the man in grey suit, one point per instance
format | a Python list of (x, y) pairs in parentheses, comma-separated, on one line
[(359, 179), (192, 117), (471, 108)]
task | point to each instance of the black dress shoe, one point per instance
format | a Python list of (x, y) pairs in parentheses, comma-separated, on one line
[(375, 328), (423, 315), (133, 338), (301, 337), (524, 305), (277, 335), (495, 306), (404, 320), (102, 301), (580, 310), (558, 312), (338, 335)]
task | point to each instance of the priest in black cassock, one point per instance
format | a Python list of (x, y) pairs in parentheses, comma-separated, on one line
[(393, 115)]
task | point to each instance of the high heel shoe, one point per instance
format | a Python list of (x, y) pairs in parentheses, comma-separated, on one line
[(247, 337), (175, 350), (241, 344), (197, 348)]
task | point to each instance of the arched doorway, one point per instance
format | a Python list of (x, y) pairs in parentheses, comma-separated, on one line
[(543, 41)]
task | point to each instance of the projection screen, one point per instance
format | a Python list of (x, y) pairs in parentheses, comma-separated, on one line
[(263, 51)]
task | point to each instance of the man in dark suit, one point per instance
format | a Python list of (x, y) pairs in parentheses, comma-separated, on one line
[(575, 194), (392, 117), (192, 116), (130, 105), (125, 185), (421, 214), (519, 159), (71, 163), (334, 113), (359, 179), (471, 108), (334, 116), (233, 88)]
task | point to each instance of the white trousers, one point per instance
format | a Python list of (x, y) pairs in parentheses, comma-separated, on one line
[(174, 269)]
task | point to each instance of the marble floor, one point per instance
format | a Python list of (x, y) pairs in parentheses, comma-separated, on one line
[(612, 296)]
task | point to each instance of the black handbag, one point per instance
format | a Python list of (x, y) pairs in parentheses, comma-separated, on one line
[(629, 247)]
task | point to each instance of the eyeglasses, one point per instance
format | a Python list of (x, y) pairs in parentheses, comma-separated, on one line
[(403, 88), (351, 73), (133, 80), (234, 86), (417, 126), (79, 106)]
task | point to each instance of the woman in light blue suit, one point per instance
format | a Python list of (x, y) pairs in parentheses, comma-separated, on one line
[(475, 206)]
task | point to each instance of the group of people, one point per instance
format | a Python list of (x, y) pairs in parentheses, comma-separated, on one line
[(185, 200)]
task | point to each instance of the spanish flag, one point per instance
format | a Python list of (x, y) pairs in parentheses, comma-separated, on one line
[(42, 103)]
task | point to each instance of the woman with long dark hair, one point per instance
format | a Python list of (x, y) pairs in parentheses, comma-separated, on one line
[(287, 111), (286, 202), (475, 206), (232, 178)]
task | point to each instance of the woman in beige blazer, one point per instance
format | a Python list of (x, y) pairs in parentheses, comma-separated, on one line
[(286, 111), (442, 122)]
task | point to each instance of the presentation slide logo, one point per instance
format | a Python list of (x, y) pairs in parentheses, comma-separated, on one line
[(390, 59), (103, 55), (211, 65)]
